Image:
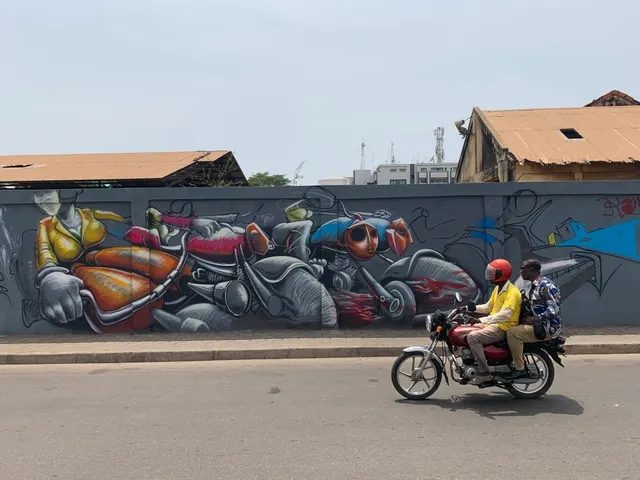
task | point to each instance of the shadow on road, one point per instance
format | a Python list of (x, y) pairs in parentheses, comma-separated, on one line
[(503, 405)]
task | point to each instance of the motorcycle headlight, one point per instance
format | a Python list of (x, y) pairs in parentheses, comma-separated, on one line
[(429, 322)]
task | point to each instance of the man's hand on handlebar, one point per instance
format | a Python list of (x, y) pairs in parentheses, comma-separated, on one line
[(472, 321)]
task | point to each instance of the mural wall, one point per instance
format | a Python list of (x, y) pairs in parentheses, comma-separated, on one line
[(122, 261)]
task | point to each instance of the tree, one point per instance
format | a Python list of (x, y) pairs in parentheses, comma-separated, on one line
[(265, 179), (297, 174)]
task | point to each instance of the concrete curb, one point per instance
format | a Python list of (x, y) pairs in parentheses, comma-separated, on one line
[(260, 354)]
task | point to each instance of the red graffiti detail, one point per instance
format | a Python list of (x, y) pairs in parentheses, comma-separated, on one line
[(356, 307), (441, 292), (620, 206)]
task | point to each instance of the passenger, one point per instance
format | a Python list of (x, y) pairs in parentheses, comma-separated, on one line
[(546, 324), (504, 312)]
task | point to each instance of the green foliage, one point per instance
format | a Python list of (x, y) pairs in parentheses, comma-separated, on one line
[(265, 179)]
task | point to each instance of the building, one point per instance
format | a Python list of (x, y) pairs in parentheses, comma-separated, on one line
[(553, 144), (364, 177), (406, 174), (112, 170), (336, 181), (614, 98)]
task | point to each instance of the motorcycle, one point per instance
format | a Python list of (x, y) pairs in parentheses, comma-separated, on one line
[(230, 272), (451, 331)]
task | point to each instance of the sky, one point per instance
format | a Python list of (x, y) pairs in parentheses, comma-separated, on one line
[(279, 82)]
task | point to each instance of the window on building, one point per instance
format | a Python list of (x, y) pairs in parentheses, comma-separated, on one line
[(424, 169), (393, 170), (397, 182), (437, 169), (439, 180), (403, 170), (423, 180)]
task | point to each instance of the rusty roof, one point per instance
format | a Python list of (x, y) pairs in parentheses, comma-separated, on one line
[(612, 94), (99, 166), (608, 134)]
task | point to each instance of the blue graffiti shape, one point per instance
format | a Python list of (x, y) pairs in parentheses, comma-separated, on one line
[(482, 233), (621, 240), (332, 232)]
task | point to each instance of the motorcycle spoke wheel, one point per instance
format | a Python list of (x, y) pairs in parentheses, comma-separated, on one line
[(405, 385), (537, 363)]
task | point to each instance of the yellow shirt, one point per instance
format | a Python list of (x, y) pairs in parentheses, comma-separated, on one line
[(509, 297)]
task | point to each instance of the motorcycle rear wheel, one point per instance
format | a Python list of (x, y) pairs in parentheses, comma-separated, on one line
[(417, 357), (549, 374)]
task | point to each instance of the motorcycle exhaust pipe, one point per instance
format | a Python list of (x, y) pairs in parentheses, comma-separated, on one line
[(233, 296), (269, 301)]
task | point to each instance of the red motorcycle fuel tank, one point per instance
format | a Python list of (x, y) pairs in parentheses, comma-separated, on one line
[(459, 334), (458, 337)]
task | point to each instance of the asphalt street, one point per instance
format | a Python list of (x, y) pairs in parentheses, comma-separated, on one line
[(311, 419)]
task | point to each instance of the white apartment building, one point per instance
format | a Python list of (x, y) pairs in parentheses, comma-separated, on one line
[(336, 181), (436, 172), (406, 174)]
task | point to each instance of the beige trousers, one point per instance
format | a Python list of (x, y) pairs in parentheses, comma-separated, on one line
[(479, 338), (517, 336)]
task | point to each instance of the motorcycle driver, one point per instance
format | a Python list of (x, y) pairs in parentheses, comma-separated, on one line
[(504, 312)]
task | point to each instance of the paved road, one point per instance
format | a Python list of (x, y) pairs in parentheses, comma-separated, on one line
[(310, 419)]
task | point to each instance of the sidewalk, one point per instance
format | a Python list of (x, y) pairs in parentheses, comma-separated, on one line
[(60, 349)]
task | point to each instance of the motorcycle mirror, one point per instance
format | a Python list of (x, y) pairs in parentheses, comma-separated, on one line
[(318, 197), (458, 297), (471, 307)]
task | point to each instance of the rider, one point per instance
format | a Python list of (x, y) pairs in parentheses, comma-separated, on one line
[(504, 312), (546, 322)]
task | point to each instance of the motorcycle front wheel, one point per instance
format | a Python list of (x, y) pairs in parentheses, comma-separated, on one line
[(401, 374)]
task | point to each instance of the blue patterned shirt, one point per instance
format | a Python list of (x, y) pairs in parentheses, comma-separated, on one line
[(545, 300)]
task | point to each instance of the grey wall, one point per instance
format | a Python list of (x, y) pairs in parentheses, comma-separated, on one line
[(586, 235)]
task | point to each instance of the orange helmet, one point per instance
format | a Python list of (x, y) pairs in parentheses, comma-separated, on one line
[(498, 271)]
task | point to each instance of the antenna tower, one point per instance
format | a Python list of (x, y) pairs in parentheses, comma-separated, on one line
[(392, 155), (362, 162), (439, 156)]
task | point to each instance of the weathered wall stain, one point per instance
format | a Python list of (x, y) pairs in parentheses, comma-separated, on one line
[(120, 261)]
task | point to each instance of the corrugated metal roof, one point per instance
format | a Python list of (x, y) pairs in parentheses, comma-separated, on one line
[(609, 134), (99, 166)]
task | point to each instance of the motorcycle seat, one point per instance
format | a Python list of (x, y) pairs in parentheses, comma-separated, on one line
[(501, 344)]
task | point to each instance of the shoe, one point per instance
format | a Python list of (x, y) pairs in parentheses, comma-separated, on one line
[(514, 375), (482, 377)]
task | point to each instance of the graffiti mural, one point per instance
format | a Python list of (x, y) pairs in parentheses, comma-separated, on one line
[(308, 259), (569, 255), (183, 271)]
